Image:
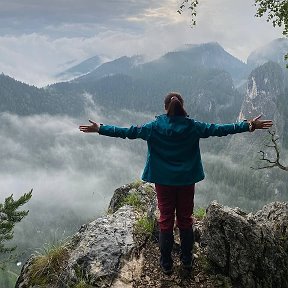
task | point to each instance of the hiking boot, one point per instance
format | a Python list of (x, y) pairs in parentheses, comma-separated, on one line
[(166, 240), (186, 246)]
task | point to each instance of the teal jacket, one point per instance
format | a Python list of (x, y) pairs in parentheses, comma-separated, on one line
[(173, 156)]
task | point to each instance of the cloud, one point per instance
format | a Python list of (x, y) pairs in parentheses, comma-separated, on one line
[(66, 168), (24, 15), (38, 40), (73, 174)]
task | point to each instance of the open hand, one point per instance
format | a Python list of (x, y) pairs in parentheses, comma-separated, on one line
[(260, 124), (89, 128)]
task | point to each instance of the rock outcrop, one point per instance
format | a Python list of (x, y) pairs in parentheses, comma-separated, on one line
[(251, 249), (233, 249), (98, 253)]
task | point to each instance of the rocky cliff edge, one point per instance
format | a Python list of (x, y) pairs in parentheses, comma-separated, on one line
[(120, 249)]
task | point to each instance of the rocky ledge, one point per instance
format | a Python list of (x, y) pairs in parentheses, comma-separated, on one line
[(120, 249)]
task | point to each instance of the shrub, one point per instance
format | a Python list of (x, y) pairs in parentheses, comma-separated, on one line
[(9, 216)]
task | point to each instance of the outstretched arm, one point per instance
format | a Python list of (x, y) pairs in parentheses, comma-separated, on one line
[(206, 130), (132, 132)]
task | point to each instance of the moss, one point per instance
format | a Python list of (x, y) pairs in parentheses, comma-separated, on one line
[(47, 267)]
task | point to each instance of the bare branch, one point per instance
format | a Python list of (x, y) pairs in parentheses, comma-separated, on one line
[(275, 146), (262, 167), (265, 159)]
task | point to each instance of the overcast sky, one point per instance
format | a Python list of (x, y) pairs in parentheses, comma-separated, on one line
[(40, 38)]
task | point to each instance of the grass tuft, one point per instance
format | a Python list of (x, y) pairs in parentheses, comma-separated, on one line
[(82, 284), (133, 200), (136, 184), (145, 225), (47, 267)]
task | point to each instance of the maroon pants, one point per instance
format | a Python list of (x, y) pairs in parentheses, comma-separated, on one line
[(171, 198)]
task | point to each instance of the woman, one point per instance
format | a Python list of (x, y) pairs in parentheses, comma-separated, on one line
[(174, 165)]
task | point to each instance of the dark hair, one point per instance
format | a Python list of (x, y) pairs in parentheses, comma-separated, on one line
[(174, 105)]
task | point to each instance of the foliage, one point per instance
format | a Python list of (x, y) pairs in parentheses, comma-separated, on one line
[(200, 213), (190, 5), (48, 265), (277, 12), (9, 216)]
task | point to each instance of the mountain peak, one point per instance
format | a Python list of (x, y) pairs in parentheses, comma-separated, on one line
[(204, 45), (211, 55), (82, 68)]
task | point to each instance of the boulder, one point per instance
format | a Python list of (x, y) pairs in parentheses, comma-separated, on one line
[(251, 249)]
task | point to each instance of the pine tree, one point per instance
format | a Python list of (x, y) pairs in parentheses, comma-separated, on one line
[(9, 216)]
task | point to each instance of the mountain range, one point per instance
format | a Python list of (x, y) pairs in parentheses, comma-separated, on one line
[(206, 74), (83, 67)]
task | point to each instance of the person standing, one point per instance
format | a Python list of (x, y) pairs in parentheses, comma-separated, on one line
[(174, 165)]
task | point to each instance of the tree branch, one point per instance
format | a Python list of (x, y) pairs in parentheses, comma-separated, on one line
[(276, 162), (189, 5)]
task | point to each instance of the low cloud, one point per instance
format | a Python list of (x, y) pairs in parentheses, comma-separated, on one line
[(71, 173)]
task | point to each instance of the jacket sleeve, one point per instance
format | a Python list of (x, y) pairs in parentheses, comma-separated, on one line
[(205, 130), (134, 132)]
